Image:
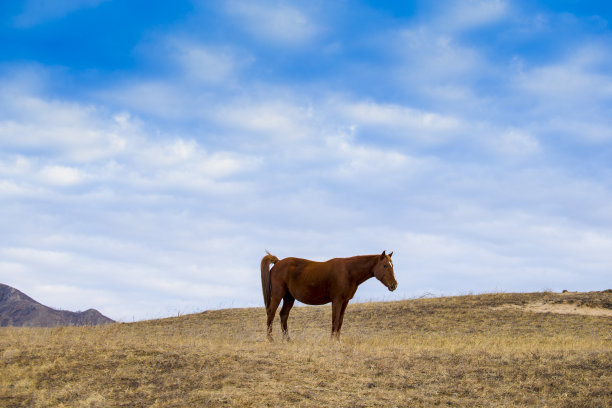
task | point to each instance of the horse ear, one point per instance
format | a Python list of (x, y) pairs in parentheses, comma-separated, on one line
[(390, 254), (383, 255)]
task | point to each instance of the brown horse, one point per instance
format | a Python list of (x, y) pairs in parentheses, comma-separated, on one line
[(317, 283)]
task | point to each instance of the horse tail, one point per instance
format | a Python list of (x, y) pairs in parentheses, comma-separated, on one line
[(266, 284)]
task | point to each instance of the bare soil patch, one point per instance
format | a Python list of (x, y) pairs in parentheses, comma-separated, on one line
[(561, 308)]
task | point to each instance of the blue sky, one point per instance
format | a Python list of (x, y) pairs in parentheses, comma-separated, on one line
[(150, 153)]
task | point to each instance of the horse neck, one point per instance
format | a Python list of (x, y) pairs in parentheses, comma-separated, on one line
[(361, 267)]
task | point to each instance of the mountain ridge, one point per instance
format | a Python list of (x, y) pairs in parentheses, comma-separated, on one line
[(18, 309)]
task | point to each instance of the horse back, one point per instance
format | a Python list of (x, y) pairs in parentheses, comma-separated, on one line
[(304, 268)]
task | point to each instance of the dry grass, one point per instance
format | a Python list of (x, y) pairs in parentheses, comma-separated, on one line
[(456, 351)]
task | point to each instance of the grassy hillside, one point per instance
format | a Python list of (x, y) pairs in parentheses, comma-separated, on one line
[(484, 350)]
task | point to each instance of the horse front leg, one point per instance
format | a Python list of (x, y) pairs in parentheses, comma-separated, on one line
[(336, 319), (341, 317)]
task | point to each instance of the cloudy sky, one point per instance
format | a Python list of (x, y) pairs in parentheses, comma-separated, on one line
[(150, 153)]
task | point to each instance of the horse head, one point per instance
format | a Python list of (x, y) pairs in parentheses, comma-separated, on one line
[(383, 271)]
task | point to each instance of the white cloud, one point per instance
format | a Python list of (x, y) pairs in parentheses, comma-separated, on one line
[(565, 84), (40, 256), (366, 165), (438, 66), (394, 115), (198, 77), (10, 188), (282, 120), (461, 15), (570, 94), (164, 99), (514, 143), (206, 64), (426, 127), (80, 133), (14, 165), (277, 23), (61, 175), (61, 144)]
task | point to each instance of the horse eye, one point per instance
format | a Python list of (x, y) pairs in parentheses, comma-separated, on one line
[(384, 266)]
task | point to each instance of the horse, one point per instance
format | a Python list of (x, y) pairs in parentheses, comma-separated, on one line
[(318, 283)]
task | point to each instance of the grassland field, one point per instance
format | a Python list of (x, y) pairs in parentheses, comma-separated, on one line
[(489, 350)]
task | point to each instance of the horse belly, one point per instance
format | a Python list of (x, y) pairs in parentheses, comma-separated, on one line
[(310, 297), (310, 292)]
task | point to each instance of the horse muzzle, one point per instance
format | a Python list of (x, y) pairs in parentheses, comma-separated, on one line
[(392, 287)]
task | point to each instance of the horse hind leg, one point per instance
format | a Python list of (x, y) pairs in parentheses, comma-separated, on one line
[(288, 301), (274, 302)]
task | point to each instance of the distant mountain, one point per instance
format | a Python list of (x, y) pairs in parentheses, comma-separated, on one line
[(18, 309)]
